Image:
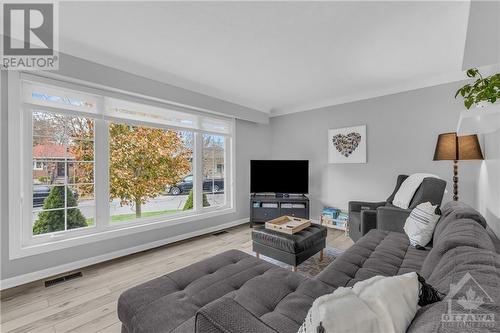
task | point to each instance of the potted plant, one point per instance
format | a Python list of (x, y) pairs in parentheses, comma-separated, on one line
[(483, 90)]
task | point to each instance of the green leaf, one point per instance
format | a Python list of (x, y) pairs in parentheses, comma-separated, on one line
[(472, 72), (468, 103)]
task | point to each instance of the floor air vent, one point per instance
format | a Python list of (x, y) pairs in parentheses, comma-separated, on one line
[(218, 233), (62, 279)]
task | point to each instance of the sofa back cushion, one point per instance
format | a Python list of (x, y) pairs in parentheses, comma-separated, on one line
[(455, 210), (456, 233), (463, 210), (463, 267)]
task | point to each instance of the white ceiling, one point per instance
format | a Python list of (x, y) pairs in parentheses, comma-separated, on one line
[(277, 57)]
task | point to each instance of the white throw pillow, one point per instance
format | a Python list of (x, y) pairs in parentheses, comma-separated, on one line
[(407, 190), (377, 305), (419, 226)]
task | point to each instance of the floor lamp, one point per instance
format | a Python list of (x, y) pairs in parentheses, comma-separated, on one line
[(449, 146)]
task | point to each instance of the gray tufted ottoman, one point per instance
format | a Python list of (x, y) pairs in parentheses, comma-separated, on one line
[(290, 249), (174, 302)]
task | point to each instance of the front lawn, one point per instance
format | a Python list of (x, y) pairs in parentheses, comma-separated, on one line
[(127, 217)]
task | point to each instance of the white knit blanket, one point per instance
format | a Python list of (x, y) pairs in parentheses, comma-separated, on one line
[(377, 305), (408, 188)]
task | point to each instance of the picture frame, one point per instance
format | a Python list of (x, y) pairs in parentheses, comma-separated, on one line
[(347, 145)]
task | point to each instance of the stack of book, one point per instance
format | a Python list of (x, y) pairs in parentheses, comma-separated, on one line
[(334, 218)]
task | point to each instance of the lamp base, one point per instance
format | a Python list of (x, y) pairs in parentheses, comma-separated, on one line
[(455, 180)]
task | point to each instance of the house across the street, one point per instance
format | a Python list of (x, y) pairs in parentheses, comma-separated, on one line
[(49, 162)]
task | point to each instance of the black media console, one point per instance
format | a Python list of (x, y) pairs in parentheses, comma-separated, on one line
[(264, 208)]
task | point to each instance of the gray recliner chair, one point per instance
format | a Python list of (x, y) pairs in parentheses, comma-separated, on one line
[(364, 216)]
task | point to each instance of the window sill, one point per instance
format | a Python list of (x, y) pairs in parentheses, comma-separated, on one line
[(109, 233)]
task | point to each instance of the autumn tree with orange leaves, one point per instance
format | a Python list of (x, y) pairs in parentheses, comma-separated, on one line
[(142, 161), (81, 131)]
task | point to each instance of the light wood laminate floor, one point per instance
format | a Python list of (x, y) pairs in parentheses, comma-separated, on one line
[(88, 304)]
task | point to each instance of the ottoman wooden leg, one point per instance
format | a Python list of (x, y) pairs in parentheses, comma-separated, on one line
[(256, 255), (321, 255), (294, 268)]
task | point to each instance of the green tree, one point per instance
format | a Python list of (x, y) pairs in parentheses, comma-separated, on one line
[(53, 220), (189, 202)]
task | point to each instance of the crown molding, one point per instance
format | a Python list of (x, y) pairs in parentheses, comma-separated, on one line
[(402, 87)]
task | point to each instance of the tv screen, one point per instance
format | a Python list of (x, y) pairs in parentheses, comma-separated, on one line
[(283, 176)]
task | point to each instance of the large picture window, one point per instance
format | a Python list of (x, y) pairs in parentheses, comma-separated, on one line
[(102, 163)]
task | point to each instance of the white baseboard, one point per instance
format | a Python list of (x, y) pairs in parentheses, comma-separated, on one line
[(45, 273)]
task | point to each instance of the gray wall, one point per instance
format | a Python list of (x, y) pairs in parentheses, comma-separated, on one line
[(251, 143), (401, 136), (489, 182), (482, 45)]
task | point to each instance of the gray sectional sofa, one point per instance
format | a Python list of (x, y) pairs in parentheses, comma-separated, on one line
[(235, 292)]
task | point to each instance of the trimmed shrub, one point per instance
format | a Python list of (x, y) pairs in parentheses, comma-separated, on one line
[(43, 179), (189, 202), (50, 221)]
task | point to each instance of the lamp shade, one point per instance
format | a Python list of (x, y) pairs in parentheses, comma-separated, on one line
[(449, 146)]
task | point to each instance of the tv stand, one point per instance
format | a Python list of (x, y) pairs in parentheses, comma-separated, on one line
[(264, 208)]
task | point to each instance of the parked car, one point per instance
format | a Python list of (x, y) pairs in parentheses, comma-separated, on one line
[(184, 186), (40, 192)]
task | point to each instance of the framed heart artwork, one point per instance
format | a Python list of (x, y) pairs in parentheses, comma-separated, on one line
[(347, 145)]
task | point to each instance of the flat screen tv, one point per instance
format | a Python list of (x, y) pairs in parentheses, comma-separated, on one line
[(279, 176)]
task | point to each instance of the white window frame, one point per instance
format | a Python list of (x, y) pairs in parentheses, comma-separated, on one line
[(37, 168), (21, 241), (27, 237)]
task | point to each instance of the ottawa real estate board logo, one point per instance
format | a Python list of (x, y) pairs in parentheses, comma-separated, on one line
[(29, 37), (468, 306)]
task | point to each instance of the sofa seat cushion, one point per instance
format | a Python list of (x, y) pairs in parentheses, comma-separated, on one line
[(280, 298), (170, 302), (377, 253), (295, 243), (413, 260)]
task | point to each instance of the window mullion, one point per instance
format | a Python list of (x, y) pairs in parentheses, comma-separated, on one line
[(198, 172), (65, 194), (227, 171), (26, 178), (101, 169)]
